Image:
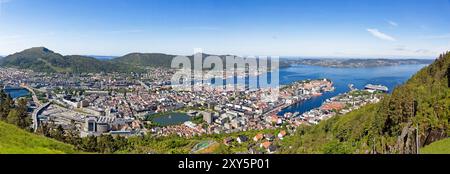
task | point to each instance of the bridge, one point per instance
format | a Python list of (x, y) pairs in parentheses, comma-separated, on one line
[(35, 115), (35, 98)]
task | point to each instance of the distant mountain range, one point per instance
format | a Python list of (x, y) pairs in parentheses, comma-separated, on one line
[(41, 59), (356, 63), (102, 57)]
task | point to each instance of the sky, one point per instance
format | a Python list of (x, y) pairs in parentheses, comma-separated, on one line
[(303, 28)]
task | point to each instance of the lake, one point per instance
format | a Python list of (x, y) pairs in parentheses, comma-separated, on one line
[(171, 119), (390, 76)]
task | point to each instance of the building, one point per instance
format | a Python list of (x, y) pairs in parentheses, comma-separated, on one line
[(258, 137), (282, 134), (269, 137), (83, 104), (90, 124), (207, 117), (272, 149), (265, 145), (242, 139), (228, 141)]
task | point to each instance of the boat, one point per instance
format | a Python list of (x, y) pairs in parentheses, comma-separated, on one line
[(377, 88)]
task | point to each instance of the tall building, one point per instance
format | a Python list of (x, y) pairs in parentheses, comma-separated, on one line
[(208, 117)]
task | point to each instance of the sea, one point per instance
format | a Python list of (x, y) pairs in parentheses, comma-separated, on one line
[(390, 76)]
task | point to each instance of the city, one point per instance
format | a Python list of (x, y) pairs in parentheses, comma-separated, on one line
[(126, 105)]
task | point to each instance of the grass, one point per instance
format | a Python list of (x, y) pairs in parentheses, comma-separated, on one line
[(14, 140), (439, 147)]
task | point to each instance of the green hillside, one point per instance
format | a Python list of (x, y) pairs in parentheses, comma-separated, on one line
[(14, 140), (439, 147), (422, 104), (41, 59), (148, 59), (154, 59)]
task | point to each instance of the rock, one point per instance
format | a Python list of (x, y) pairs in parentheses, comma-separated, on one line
[(406, 143)]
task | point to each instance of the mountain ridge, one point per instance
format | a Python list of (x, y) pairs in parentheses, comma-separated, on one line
[(42, 59)]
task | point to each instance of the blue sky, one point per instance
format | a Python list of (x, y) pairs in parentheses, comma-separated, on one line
[(307, 28)]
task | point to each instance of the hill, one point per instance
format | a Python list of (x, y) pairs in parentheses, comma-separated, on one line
[(146, 59), (14, 140), (41, 59), (156, 59), (417, 111)]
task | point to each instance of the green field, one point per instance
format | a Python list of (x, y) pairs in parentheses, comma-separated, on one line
[(14, 140), (439, 147)]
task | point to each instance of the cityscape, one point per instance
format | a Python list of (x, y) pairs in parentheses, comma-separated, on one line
[(131, 104), (172, 80)]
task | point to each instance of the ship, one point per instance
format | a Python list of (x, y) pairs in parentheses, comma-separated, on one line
[(377, 88)]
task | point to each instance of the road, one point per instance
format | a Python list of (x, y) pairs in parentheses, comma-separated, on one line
[(35, 98)]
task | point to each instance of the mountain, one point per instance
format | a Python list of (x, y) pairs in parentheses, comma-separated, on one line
[(41, 59), (146, 59), (418, 111), (14, 140), (156, 59)]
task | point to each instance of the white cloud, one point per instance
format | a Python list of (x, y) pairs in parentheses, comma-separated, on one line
[(380, 35), (392, 23)]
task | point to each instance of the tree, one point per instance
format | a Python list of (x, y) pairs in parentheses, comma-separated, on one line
[(13, 117), (72, 134), (89, 144), (44, 130), (6, 104), (24, 118), (58, 133), (106, 144)]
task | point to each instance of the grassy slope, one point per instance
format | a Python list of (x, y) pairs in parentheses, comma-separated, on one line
[(439, 147), (13, 140)]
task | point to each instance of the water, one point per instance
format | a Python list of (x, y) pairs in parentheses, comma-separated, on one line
[(391, 77), (171, 119), (17, 93)]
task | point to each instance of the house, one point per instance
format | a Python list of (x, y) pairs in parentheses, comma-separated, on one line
[(282, 134), (242, 138), (253, 151), (228, 141), (258, 137), (269, 137), (266, 145)]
